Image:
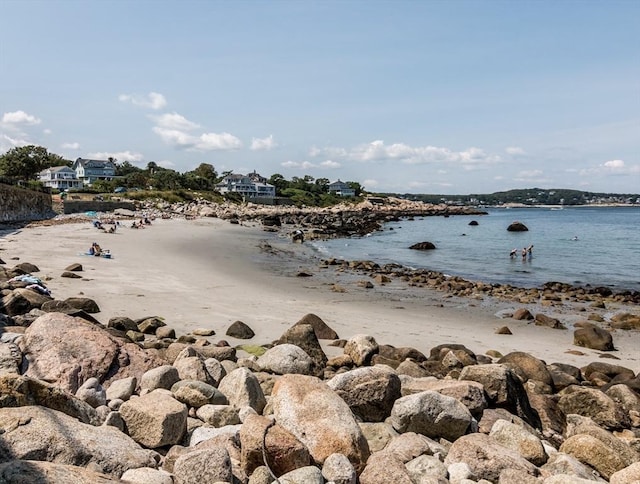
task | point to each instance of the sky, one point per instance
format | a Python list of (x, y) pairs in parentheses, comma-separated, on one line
[(438, 97)]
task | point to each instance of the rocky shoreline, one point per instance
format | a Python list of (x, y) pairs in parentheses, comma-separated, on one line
[(133, 401)]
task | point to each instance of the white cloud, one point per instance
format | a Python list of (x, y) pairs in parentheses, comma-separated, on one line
[(47, 131), (305, 165), (70, 146), (370, 183), (611, 167), (6, 142), (20, 117), (119, 155), (175, 137), (214, 142), (153, 100), (514, 151), (166, 164), (174, 121), (377, 151), (176, 130), (614, 164), (263, 144), (204, 142)]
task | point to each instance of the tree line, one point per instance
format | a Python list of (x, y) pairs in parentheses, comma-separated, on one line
[(26, 162)]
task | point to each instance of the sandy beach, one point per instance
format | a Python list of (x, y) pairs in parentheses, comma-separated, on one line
[(208, 273)]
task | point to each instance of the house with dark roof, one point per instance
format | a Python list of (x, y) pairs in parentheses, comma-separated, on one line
[(90, 171), (59, 178)]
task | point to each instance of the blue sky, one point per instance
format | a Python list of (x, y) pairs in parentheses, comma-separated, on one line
[(450, 97)]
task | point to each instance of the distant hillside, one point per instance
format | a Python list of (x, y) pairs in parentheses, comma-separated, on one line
[(529, 196)]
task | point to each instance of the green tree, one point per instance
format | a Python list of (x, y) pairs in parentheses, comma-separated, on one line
[(356, 186), (136, 179), (322, 185), (25, 162), (164, 179), (125, 168), (278, 181), (206, 171)]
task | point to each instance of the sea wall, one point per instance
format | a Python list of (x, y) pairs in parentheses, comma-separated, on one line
[(79, 206), (19, 204)]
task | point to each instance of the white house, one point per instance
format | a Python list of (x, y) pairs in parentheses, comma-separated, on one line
[(341, 189), (59, 177), (90, 171), (249, 186)]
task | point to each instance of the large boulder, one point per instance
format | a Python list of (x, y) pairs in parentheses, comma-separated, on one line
[(260, 438), (37, 472), (155, 419), (593, 403), (527, 367), (517, 227), (203, 466), (470, 393), (487, 458), (242, 388), (361, 348), (21, 301), (503, 388), (432, 414), (19, 391), (67, 351), (286, 358), (594, 453), (39, 433), (322, 330), (319, 418), (593, 337), (240, 330), (370, 392), (385, 467), (423, 246), (304, 336), (516, 438)]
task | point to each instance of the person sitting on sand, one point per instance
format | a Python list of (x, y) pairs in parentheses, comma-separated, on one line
[(97, 250)]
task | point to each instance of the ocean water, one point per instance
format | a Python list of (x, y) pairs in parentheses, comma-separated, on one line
[(599, 246)]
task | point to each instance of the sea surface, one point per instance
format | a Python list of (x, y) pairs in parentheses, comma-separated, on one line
[(597, 246)]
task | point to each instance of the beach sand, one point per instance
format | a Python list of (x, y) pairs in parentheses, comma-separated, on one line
[(208, 273)]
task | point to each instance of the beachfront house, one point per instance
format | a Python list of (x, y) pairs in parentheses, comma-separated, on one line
[(90, 171), (341, 189), (59, 178), (251, 186)]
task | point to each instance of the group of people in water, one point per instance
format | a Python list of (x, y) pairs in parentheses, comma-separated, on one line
[(526, 251)]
